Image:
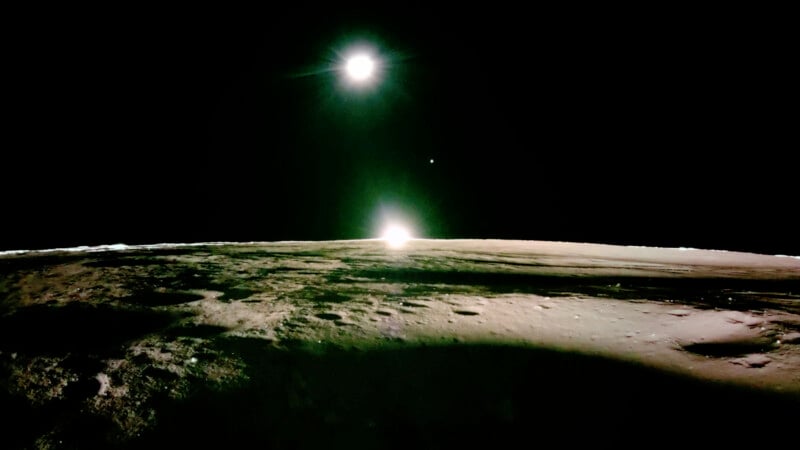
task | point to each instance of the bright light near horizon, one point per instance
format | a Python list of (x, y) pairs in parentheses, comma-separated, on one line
[(396, 236), (360, 67)]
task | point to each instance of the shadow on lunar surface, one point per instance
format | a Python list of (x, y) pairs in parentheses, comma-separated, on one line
[(129, 262), (161, 298), (735, 348), (328, 316), (309, 395), (235, 293), (331, 297), (37, 262), (77, 328), (183, 277), (448, 396), (728, 293), (266, 254), (195, 331)]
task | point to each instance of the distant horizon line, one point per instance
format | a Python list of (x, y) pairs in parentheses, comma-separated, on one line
[(122, 246)]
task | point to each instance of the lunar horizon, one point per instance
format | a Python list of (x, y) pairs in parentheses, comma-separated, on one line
[(393, 237)]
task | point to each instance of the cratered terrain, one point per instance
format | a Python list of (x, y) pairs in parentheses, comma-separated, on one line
[(438, 344)]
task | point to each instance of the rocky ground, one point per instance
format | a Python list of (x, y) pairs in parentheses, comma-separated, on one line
[(434, 345)]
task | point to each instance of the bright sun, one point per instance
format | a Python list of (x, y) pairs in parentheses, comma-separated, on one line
[(396, 236), (360, 67)]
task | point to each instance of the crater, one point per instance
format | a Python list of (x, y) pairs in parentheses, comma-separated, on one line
[(236, 294), (330, 297)]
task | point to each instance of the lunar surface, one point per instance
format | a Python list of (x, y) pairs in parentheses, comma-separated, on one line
[(436, 344)]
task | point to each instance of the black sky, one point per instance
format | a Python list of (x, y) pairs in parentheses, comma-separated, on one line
[(649, 127)]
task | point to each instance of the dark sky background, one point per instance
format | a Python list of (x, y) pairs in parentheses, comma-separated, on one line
[(646, 127)]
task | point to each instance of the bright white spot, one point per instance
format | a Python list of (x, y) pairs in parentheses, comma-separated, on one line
[(105, 384), (360, 67), (431, 160), (396, 236)]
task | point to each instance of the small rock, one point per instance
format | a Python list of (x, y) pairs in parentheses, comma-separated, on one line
[(754, 361), (679, 312)]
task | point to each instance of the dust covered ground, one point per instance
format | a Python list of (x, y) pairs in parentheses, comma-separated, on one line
[(439, 344)]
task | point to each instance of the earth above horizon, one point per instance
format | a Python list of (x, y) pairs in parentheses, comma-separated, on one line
[(437, 344)]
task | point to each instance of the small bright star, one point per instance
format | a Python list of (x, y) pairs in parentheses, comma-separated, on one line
[(431, 160)]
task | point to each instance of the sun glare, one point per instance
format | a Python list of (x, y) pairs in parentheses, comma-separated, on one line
[(395, 236), (360, 67)]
